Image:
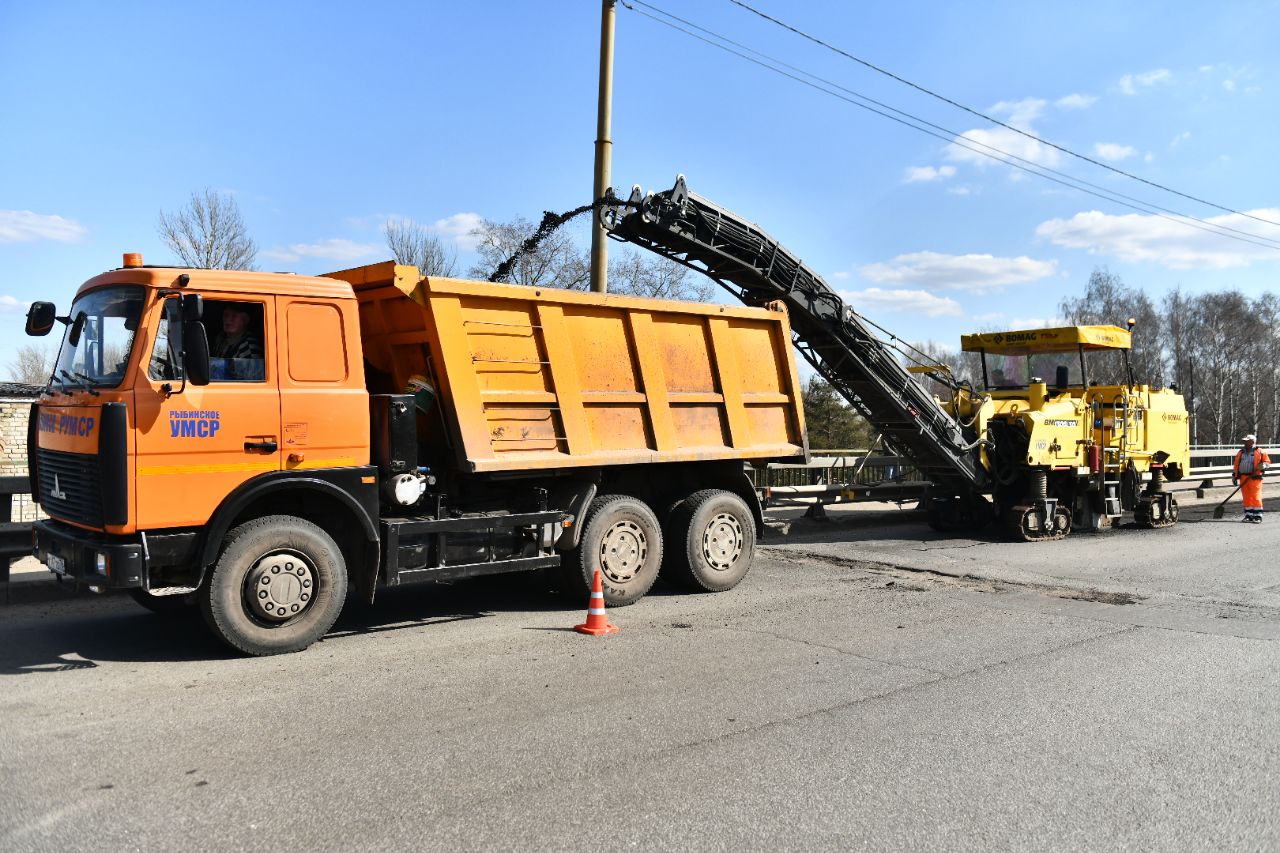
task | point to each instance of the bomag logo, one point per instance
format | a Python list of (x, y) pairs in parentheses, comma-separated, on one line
[(1174, 417), (194, 424), (80, 425)]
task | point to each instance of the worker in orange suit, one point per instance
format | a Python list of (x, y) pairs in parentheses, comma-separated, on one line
[(1246, 471)]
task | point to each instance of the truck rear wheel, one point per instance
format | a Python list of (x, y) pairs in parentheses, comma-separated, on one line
[(711, 540), (620, 537), (277, 587)]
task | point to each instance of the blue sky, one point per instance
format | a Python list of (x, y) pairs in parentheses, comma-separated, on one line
[(325, 119)]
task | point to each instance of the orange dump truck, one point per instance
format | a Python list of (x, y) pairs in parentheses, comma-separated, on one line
[(257, 444)]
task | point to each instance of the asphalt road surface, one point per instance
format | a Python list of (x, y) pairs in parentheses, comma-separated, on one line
[(871, 685)]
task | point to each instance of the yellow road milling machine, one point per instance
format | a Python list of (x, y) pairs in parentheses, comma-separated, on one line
[(1060, 436)]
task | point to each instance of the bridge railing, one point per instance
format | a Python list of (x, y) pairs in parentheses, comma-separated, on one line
[(835, 475)]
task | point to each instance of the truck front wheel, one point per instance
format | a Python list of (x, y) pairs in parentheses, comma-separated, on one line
[(622, 538), (711, 540), (277, 587)]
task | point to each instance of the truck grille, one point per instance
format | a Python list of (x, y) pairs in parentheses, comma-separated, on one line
[(75, 480)]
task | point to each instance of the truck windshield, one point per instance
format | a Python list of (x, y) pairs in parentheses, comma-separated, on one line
[(106, 320)]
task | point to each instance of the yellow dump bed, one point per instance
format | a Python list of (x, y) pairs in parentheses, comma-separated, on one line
[(531, 378)]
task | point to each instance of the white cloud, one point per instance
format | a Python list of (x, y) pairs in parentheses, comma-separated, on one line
[(921, 174), (23, 226), (1131, 83), (1229, 85), (959, 190), (1076, 102), (1180, 138), (459, 228), (974, 273), (333, 249), (1113, 152), (1134, 237), (1036, 322), (909, 301), (1020, 112), (10, 305), (1003, 140)]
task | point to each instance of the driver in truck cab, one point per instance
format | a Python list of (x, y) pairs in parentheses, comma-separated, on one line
[(236, 352)]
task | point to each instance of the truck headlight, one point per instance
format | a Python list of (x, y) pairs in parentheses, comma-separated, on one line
[(101, 564)]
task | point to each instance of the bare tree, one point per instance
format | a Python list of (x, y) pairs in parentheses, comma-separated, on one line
[(964, 367), (652, 275), (411, 243), (557, 261), (209, 233), (32, 365), (1108, 300)]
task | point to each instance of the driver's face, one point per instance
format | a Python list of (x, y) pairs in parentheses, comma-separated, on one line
[(234, 322)]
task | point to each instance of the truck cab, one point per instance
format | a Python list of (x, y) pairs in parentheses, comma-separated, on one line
[(180, 400)]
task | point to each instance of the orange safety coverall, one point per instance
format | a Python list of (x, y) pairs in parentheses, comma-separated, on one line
[(1251, 485)]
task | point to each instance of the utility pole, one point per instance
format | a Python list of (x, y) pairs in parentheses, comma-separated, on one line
[(604, 148)]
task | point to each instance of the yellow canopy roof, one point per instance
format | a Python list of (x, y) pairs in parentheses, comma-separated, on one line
[(1064, 339)]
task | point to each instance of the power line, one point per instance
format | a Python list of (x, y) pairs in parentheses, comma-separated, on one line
[(951, 137), (986, 117)]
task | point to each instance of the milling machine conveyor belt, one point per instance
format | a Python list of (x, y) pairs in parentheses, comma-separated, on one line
[(753, 266)]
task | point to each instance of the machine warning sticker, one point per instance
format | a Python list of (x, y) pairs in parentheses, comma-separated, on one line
[(194, 423), (295, 434), (1061, 422)]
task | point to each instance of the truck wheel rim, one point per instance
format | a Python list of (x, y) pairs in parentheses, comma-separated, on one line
[(622, 551), (279, 587), (722, 542)]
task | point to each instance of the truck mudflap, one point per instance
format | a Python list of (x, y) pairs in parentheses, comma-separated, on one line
[(89, 558)]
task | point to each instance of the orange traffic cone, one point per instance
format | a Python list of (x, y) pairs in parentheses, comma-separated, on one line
[(597, 622)]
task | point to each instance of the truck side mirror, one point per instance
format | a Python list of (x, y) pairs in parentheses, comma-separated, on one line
[(192, 306), (40, 317), (195, 349), (77, 327)]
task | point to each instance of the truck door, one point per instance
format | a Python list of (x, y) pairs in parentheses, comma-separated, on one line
[(196, 446), (323, 402)]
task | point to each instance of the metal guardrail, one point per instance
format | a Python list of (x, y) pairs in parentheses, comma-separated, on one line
[(824, 480)]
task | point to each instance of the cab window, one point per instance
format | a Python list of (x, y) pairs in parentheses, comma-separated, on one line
[(235, 332)]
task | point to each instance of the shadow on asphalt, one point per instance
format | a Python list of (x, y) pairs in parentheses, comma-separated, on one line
[(78, 633)]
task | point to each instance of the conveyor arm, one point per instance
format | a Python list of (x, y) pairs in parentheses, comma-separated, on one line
[(754, 267)]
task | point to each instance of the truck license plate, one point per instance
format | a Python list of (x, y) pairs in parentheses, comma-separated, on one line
[(57, 564)]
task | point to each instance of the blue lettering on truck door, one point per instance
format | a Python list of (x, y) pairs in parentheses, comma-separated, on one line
[(194, 423)]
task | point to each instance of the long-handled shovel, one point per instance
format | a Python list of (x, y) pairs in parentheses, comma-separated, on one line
[(1220, 510)]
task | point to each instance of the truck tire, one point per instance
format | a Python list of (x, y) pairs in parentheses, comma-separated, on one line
[(169, 606), (622, 538), (711, 540), (278, 586)]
